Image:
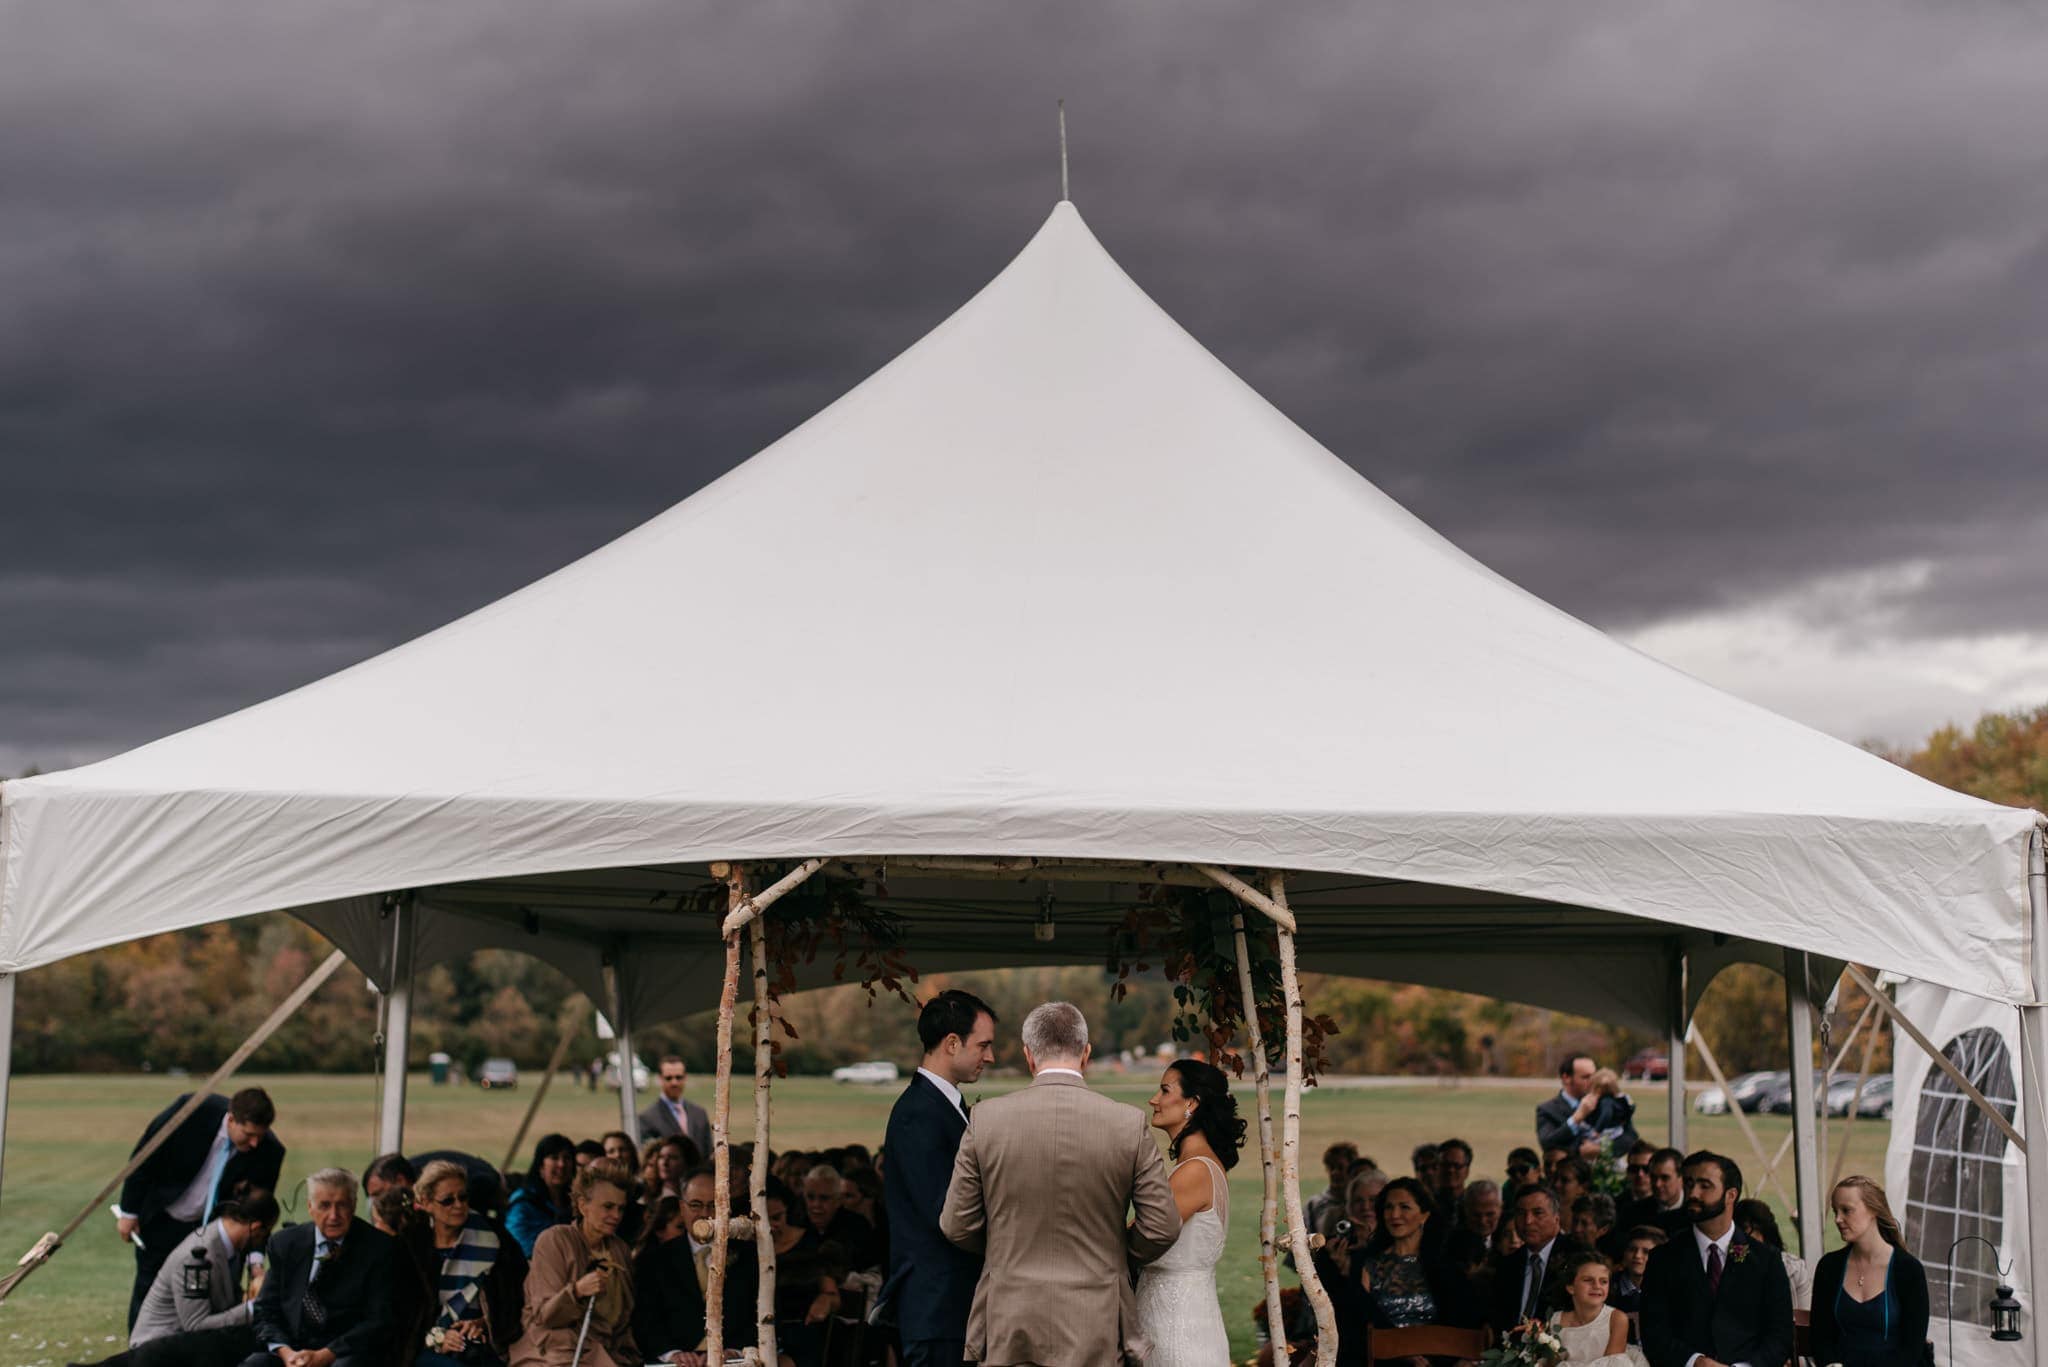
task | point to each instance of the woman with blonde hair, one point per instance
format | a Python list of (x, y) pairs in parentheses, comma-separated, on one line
[(1870, 1295), (583, 1275), (464, 1301)]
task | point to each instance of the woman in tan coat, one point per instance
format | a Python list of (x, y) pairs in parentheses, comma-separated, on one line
[(578, 1267)]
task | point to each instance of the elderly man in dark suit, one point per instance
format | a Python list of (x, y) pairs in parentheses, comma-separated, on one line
[(327, 1297), (224, 1143), (670, 1113), (1711, 1297), (1528, 1283), (931, 1283)]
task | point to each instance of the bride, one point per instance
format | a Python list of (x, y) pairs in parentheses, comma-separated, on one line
[(1180, 1323)]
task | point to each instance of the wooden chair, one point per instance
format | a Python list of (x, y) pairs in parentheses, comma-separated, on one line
[(1425, 1341)]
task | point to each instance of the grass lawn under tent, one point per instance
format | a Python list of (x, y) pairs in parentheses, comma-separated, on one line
[(67, 1134)]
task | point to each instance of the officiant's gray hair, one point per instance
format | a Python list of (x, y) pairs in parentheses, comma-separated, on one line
[(1056, 1031)]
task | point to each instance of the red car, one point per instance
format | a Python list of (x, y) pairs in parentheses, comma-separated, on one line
[(1651, 1065)]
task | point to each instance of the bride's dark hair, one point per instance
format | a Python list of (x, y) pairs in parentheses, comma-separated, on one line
[(1215, 1117)]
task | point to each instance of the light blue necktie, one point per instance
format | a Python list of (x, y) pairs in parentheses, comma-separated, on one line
[(213, 1172)]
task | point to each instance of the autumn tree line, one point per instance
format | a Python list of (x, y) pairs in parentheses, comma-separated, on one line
[(185, 1000)]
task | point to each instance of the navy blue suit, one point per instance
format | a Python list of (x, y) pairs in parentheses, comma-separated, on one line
[(932, 1280)]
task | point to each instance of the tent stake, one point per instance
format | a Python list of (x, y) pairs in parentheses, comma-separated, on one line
[(1290, 1147), (757, 1174), (1262, 1081)]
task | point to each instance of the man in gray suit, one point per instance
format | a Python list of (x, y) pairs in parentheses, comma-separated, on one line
[(1040, 1189), (670, 1114), (195, 1313)]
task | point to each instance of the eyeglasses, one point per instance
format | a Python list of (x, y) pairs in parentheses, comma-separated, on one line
[(458, 1199)]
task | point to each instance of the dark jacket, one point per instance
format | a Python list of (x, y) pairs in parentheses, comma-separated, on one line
[(668, 1306), (163, 1178), (355, 1290), (1749, 1320), (931, 1282), (1359, 1311), (1906, 1279), (656, 1121), (1553, 1128), (1504, 1297), (418, 1299)]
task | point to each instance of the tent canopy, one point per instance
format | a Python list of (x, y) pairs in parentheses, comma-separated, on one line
[(1054, 582)]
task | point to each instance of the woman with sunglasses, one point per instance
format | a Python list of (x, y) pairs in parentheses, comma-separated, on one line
[(468, 1284)]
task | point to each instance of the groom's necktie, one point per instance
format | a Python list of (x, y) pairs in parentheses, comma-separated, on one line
[(1714, 1268)]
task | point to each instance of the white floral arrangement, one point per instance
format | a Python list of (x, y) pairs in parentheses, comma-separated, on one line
[(1528, 1344)]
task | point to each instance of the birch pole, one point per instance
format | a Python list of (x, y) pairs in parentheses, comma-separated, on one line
[(1290, 1144), (757, 1175), (721, 1129), (1269, 1258)]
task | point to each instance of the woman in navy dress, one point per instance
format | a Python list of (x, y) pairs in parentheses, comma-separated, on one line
[(1870, 1295)]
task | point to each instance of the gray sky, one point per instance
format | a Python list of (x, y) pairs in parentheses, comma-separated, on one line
[(1721, 325)]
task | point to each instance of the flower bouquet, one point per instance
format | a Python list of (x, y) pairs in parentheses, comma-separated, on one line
[(1528, 1344)]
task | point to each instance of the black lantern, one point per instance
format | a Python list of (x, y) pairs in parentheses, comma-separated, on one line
[(2005, 1316)]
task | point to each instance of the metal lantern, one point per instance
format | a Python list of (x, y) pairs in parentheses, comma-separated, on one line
[(2005, 1316)]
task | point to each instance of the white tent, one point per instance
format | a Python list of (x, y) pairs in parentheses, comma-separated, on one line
[(1052, 583)]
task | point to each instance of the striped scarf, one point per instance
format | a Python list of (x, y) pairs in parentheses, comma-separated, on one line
[(462, 1272)]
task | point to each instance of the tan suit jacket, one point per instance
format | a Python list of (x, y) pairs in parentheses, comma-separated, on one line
[(1040, 1189)]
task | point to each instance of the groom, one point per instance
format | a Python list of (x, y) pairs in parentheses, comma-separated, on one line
[(931, 1283), (1055, 1284)]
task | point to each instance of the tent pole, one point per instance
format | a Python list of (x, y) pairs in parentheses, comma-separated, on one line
[(2034, 1095), (397, 1027), (1806, 1159), (6, 1057), (622, 1035), (1674, 1087), (1262, 1082), (757, 1171)]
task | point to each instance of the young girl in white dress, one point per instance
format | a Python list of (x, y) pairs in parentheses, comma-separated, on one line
[(1180, 1323), (1594, 1333)]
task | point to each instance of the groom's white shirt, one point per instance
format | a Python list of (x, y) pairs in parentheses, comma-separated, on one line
[(946, 1089)]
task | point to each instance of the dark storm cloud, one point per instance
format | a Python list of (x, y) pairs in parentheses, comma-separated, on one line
[(326, 323)]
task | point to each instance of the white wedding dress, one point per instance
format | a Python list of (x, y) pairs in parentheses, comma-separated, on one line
[(1179, 1319)]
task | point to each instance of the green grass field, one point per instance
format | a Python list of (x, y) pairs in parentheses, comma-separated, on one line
[(67, 1135)]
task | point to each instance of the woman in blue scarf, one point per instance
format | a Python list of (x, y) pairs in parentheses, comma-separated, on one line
[(542, 1200), (469, 1287)]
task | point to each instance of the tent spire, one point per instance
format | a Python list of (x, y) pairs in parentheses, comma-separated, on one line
[(1064, 196)]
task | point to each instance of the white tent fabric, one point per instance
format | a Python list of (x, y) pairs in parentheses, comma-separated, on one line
[(1948, 1172), (1053, 582)]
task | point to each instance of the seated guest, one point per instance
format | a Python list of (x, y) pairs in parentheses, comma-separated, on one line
[(1571, 1178), (1453, 1170), (582, 1274), (1425, 1159), (1523, 1167), (1593, 1224), (854, 1158), (671, 1270), (667, 1161), (386, 1172), (1551, 1158), (1760, 1223), (327, 1290), (1478, 1213), (1869, 1295), (1529, 1283), (1714, 1293), (1636, 1167), (1625, 1293), (1506, 1243), (1593, 1332), (1337, 1160), (864, 1197), (824, 1207), (1396, 1279), (620, 1148), (195, 1312), (468, 1279), (1665, 1207), (806, 1284), (542, 1200), (588, 1151), (391, 1209)]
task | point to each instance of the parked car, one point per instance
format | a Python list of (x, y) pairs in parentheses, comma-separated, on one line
[(1876, 1102), (1650, 1065), (1710, 1101), (641, 1077), (1749, 1089), (874, 1070), (1778, 1100), (498, 1073)]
